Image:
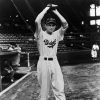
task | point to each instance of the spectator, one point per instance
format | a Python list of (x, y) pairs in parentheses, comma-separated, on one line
[(7, 70), (11, 47), (16, 48)]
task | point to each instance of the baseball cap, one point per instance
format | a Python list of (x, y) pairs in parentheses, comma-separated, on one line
[(50, 20)]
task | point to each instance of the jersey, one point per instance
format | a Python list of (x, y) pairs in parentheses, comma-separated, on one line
[(95, 47), (94, 50), (47, 44)]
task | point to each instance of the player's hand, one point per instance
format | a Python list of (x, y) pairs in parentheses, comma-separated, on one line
[(49, 5), (54, 6)]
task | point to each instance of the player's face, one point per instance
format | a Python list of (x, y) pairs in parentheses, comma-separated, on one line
[(50, 27)]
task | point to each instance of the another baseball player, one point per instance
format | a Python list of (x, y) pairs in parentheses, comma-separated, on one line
[(48, 69), (94, 51)]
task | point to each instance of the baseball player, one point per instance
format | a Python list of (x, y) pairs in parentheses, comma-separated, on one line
[(94, 50), (48, 69)]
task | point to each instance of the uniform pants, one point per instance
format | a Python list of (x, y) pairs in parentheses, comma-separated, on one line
[(49, 75), (94, 54)]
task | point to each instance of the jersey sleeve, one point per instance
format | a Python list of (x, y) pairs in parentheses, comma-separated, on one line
[(38, 35), (60, 33), (97, 47)]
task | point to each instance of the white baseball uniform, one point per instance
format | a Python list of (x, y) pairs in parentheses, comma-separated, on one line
[(48, 68), (94, 50)]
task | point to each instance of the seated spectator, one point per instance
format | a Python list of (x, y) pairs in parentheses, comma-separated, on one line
[(7, 70), (11, 46), (17, 48)]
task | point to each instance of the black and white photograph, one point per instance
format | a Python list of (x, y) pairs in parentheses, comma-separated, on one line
[(49, 49)]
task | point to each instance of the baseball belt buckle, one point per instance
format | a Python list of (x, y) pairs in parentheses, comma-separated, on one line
[(50, 59)]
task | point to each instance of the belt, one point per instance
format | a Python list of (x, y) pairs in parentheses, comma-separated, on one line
[(45, 58)]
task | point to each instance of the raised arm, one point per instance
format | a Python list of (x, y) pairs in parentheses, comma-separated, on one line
[(64, 24), (39, 18)]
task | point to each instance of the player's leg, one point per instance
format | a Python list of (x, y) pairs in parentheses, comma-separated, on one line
[(58, 82), (93, 55), (44, 79)]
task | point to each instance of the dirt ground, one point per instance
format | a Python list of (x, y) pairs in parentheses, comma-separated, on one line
[(82, 82)]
